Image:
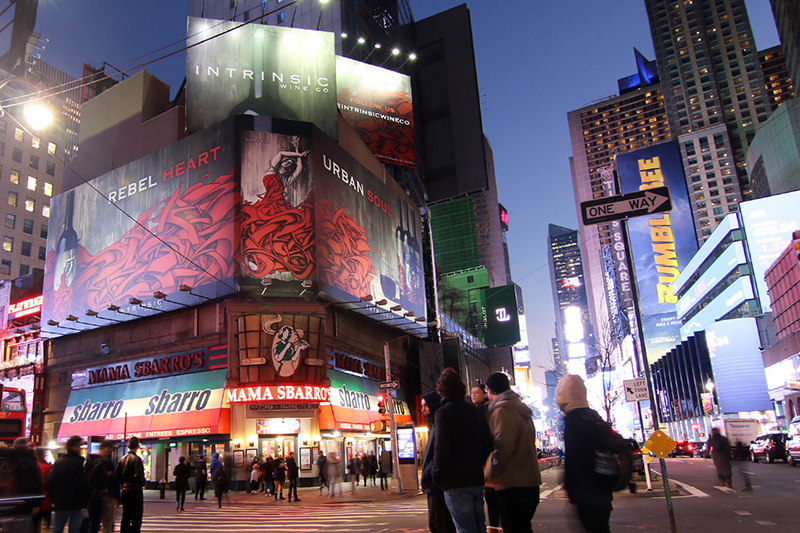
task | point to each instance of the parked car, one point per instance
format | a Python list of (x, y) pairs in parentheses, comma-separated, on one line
[(771, 446), (699, 448), (793, 450), (683, 447), (638, 462)]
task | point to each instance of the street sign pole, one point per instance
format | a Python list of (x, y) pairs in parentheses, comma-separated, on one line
[(392, 423), (646, 365)]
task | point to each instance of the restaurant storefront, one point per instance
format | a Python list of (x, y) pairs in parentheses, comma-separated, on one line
[(173, 403)]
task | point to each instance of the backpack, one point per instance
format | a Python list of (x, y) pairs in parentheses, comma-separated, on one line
[(613, 462)]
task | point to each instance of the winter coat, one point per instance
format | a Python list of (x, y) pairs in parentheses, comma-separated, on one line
[(373, 464), (322, 464), (720, 448), (581, 441), (291, 468), (333, 469), (279, 472), (26, 475), (201, 471), (97, 476), (433, 401), (215, 464), (514, 462), (47, 503), (67, 483), (463, 442), (386, 463), (352, 466), (220, 479), (182, 474)]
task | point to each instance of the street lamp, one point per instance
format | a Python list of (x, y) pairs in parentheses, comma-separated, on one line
[(36, 112)]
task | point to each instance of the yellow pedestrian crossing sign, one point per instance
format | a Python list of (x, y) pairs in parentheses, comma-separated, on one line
[(659, 443)]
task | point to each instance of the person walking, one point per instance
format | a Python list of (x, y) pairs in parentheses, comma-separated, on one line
[(585, 433), (513, 466), (182, 475), (100, 474), (130, 475), (279, 476), (720, 448), (22, 469), (352, 473), (69, 488), (481, 401), (363, 467), (106, 452), (463, 443), (266, 475), (46, 508), (439, 519), (201, 477), (322, 465), (373, 467), (292, 473), (219, 478), (333, 472), (386, 469)]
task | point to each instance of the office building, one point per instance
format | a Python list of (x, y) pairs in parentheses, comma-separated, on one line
[(776, 77), (787, 19), (715, 97), (774, 155), (598, 132)]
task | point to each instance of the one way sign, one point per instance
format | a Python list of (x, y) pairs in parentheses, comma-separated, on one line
[(622, 206)]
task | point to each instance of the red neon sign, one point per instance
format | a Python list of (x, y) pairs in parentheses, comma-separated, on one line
[(273, 393), (25, 307)]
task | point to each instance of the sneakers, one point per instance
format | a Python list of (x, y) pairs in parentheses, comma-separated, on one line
[(747, 489)]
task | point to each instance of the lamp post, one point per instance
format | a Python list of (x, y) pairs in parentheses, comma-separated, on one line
[(36, 112)]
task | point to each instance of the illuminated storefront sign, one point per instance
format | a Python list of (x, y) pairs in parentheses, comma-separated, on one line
[(25, 308), (280, 393), (350, 364), (163, 407), (278, 426)]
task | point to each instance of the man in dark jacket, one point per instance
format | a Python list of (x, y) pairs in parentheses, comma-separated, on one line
[(68, 488), (130, 475), (292, 473), (514, 466), (439, 519), (583, 435), (201, 477), (99, 474), (462, 444), (266, 474)]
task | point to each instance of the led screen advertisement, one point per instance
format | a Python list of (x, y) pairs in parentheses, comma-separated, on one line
[(500, 316), (739, 377), (768, 225), (310, 211), (661, 244), (156, 224), (253, 69), (377, 103)]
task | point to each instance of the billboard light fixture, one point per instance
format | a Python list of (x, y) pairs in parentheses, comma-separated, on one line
[(381, 302), (188, 288), (397, 308), (92, 313)]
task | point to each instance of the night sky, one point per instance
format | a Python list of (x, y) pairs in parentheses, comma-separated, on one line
[(536, 62)]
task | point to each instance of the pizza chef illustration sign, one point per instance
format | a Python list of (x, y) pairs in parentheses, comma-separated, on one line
[(287, 343)]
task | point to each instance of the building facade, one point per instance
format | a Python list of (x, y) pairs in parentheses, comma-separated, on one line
[(774, 155), (787, 19), (776, 76)]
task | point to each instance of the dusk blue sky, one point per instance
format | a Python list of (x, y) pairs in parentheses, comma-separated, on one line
[(536, 62)]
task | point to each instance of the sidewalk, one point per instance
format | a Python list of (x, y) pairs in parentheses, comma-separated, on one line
[(308, 495)]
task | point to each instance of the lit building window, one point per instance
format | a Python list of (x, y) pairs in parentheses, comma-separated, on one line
[(31, 183)]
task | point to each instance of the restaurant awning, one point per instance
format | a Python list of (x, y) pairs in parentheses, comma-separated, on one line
[(176, 406)]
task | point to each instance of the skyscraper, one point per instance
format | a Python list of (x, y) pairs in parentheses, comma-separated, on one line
[(573, 324), (715, 98), (787, 19), (776, 76), (599, 131)]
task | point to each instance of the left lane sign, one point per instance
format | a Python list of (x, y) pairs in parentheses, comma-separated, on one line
[(622, 206)]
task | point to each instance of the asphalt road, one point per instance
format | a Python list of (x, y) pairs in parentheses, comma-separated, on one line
[(774, 504)]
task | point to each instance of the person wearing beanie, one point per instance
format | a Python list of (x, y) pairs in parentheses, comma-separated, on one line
[(513, 467), (439, 519), (584, 433)]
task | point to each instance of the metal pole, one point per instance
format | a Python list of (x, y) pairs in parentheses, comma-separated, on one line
[(392, 423), (653, 412)]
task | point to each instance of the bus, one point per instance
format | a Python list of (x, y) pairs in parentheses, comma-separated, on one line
[(13, 412)]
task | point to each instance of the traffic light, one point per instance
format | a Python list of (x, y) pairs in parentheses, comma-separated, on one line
[(381, 405)]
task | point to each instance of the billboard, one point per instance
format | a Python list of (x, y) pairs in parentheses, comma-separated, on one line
[(662, 244), (161, 223), (500, 316), (253, 69), (311, 212), (377, 103), (768, 225)]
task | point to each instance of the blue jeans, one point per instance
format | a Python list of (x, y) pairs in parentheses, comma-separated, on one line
[(466, 508), (74, 517)]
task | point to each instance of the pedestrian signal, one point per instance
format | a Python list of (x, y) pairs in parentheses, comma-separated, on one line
[(381, 405)]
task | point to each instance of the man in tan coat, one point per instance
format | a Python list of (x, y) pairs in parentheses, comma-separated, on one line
[(513, 467)]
